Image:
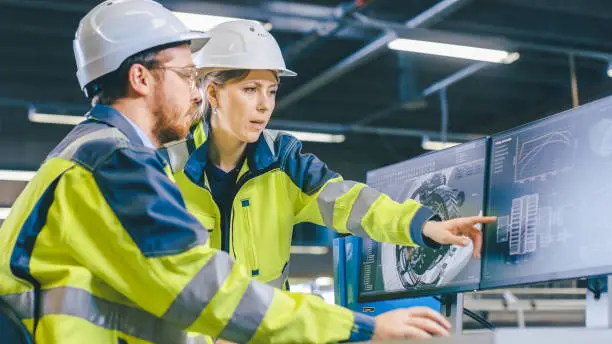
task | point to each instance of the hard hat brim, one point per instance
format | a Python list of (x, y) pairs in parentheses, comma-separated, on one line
[(207, 70), (287, 72), (198, 39)]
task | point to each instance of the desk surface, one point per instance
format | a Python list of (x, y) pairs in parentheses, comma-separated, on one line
[(524, 336)]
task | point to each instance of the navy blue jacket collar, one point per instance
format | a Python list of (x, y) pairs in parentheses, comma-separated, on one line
[(259, 155)]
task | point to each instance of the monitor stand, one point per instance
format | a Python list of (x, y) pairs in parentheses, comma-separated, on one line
[(451, 306), (599, 303)]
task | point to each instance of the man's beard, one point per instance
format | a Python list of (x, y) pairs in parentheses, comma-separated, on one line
[(170, 122)]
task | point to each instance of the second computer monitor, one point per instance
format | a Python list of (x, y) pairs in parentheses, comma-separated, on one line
[(451, 182), (551, 188)]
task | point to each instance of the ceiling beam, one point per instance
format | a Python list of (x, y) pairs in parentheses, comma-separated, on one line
[(288, 19), (595, 9), (565, 37), (428, 17), (364, 54), (56, 6)]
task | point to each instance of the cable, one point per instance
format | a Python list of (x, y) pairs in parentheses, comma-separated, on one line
[(482, 321)]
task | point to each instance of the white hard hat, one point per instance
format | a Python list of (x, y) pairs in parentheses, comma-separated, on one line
[(117, 29), (241, 44)]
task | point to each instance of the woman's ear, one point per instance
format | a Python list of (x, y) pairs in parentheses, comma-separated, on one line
[(212, 95)]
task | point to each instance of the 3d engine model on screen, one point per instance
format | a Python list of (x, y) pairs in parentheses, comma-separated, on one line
[(419, 266), (451, 183)]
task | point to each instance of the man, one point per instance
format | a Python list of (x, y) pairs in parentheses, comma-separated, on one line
[(99, 248)]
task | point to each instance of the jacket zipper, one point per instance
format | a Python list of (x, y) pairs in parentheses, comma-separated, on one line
[(249, 246), (230, 229), (206, 187)]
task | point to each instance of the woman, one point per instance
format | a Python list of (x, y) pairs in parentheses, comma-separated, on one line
[(250, 186)]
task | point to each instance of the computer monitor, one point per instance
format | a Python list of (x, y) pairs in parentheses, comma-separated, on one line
[(550, 186), (452, 183)]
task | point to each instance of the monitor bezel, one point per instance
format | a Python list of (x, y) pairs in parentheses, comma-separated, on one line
[(393, 295), (552, 276)]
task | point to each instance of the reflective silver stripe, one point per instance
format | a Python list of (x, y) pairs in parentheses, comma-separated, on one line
[(192, 300), (367, 196), (72, 148), (178, 154), (327, 199), (109, 315), (103, 313), (196, 340), (249, 314), (279, 282), (21, 303)]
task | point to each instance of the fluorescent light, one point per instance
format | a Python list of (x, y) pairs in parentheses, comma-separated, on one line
[(55, 119), (74, 120), (317, 137), (452, 50), (437, 145), (316, 250), (4, 213), (201, 22), (609, 69), (15, 175), (304, 288), (324, 281)]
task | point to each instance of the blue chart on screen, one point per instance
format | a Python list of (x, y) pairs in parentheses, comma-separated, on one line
[(451, 182), (550, 186)]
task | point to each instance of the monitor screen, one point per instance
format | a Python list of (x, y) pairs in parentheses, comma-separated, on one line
[(550, 187), (452, 183)]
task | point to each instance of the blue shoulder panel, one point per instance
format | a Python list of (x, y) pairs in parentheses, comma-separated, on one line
[(90, 143), (84, 128), (305, 170), (104, 130), (147, 203)]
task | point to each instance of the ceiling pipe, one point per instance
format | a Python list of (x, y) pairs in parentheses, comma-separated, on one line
[(327, 29), (379, 45), (433, 88), (338, 128), (277, 124)]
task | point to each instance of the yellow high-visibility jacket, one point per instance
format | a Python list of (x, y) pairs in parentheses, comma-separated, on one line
[(278, 187), (99, 248)]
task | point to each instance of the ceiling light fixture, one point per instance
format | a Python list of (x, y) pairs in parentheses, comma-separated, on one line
[(316, 250), (4, 212), (14, 175), (48, 118), (428, 144), (317, 137), (453, 50)]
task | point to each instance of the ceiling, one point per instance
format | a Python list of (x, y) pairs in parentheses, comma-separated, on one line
[(37, 69)]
